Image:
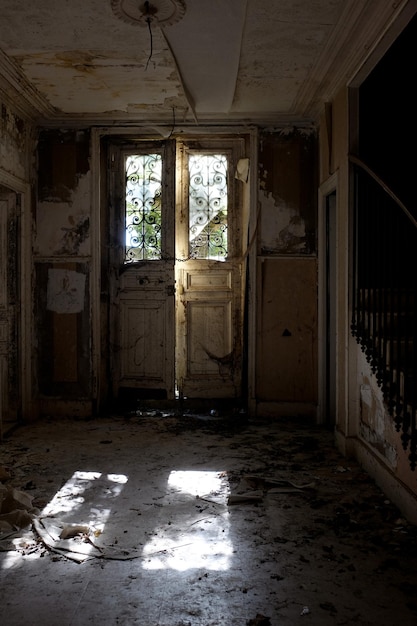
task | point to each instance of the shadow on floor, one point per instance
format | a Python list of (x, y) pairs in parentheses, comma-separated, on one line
[(167, 518)]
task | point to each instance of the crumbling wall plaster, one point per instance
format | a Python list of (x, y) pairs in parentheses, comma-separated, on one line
[(287, 193), (376, 426), (62, 265), (282, 228), (14, 143), (63, 228), (286, 359)]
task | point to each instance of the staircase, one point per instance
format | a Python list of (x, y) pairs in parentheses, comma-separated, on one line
[(384, 313)]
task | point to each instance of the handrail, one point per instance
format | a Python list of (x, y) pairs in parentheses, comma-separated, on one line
[(354, 159), (384, 296)]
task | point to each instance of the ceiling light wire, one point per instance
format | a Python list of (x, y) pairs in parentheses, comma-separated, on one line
[(148, 21)]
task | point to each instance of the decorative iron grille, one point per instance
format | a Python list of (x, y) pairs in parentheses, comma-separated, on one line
[(208, 204), (143, 207)]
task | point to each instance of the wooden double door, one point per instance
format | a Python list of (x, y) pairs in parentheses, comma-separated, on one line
[(176, 314)]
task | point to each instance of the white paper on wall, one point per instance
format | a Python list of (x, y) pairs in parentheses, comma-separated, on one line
[(65, 291)]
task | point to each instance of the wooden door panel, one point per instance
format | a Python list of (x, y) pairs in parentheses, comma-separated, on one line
[(143, 343), (209, 316), (209, 340), (143, 315), (208, 280), (146, 313), (210, 357)]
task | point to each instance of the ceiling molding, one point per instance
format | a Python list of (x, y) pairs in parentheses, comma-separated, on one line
[(360, 27), (165, 119), (15, 88)]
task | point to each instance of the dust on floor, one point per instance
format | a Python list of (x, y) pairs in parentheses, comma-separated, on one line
[(165, 519)]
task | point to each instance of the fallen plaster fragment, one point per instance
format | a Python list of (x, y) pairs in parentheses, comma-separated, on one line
[(49, 532), (14, 520), (72, 530), (75, 547), (11, 499), (16, 510)]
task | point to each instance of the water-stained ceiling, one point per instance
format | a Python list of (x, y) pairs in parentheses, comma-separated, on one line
[(106, 61)]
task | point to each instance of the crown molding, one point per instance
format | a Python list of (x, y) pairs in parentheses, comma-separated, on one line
[(16, 91), (165, 120), (361, 27)]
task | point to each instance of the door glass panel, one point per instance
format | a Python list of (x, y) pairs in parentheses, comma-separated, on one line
[(143, 217), (207, 201)]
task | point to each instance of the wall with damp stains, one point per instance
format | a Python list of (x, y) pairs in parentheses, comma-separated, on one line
[(62, 255), (286, 311), (16, 143)]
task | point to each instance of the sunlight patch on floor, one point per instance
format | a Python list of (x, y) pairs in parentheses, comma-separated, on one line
[(196, 535), (79, 507)]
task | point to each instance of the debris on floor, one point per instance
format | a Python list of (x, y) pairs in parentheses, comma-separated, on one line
[(179, 520), (16, 509)]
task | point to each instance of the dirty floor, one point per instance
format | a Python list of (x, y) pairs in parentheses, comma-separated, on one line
[(164, 519)]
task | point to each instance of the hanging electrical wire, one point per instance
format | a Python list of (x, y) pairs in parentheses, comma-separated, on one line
[(148, 21)]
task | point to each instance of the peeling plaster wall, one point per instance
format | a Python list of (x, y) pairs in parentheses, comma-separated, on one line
[(63, 227), (377, 427), (286, 353), (374, 428), (15, 143), (287, 192), (62, 263)]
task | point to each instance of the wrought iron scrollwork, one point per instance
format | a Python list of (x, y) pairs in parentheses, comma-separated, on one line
[(208, 203), (143, 207)]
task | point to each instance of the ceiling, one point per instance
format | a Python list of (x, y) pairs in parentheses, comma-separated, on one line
[(200, 61)]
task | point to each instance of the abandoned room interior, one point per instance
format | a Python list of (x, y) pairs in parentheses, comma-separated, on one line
[(208, 236)]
